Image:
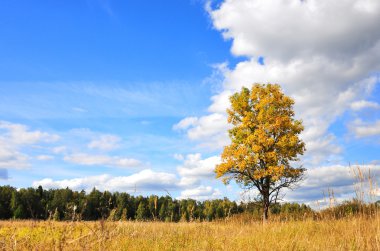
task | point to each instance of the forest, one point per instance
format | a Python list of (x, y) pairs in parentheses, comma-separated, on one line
[(67, 205)]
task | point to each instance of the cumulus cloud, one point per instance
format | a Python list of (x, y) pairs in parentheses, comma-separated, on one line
[(333, 183), (105, 142), (12, 158), (44, 157), (145, 180), (362, 129), (211, 130), (93, 140), (89, 160), (363, 104), (200, 193), (185, 123), (324, 54), (178, 156), (194, 169), (13, 137), (344, 181), (18, 134), (298, 28), (190, 175), (59, 149)]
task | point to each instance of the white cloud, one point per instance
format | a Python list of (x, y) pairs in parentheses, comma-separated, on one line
[(211, 130), (207, 126), (295, 29), (18, 134), (146, 180), (13, 138), (89, 160), (59, 149), (322, 53), (185, 123), (201, 193), (362, 129), (375, 192), (178, 156), (194, 169), (44, 157), (11, 158), (363, 104), (216, 77), (78, 109), (105, 142), (344, 181)]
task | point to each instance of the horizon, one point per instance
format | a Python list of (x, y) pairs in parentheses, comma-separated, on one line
[(132, 96)]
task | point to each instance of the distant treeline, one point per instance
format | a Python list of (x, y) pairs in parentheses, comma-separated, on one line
[(66, 204)]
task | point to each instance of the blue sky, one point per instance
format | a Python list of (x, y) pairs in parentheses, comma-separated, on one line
[(108, 41), (131, 96)]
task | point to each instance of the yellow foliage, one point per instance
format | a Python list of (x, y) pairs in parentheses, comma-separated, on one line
[(264, 139)]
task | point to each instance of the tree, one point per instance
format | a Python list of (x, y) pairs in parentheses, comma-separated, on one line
[(153, 204), (5, 201), (163, 211), (91, 210), (209, 210), (56, 215), (264, 142), (142, 211)]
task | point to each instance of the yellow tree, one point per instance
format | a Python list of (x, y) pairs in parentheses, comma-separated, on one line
[(264, 143)]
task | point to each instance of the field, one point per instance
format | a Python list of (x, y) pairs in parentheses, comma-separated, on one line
[(356, 233)]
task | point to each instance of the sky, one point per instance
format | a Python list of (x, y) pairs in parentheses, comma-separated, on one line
[(132, 96)]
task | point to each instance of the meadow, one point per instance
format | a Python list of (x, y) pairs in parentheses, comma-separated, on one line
[(209, 225), (238, 233)]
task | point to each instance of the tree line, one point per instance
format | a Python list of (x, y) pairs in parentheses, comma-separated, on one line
[(66, 204)]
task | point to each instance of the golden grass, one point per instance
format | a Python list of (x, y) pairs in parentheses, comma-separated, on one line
[(346, 234)]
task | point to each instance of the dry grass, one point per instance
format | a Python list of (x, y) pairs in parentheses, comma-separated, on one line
[(330, 229), (356, 233)]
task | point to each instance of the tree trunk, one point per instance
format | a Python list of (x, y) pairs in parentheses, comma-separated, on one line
[(265, 212), (265, 204)]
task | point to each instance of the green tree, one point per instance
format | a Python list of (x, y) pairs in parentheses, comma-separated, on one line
[(27, 204), (65, 204), (121, 205), (153, 206), (17, 206), (5, 201), (123, 216), (191, 209), (92, 206), (106, 204), (56, 215), (163, 211), (209, 210), (142, 211), (173, 209), (264, 141), (60, 202)]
